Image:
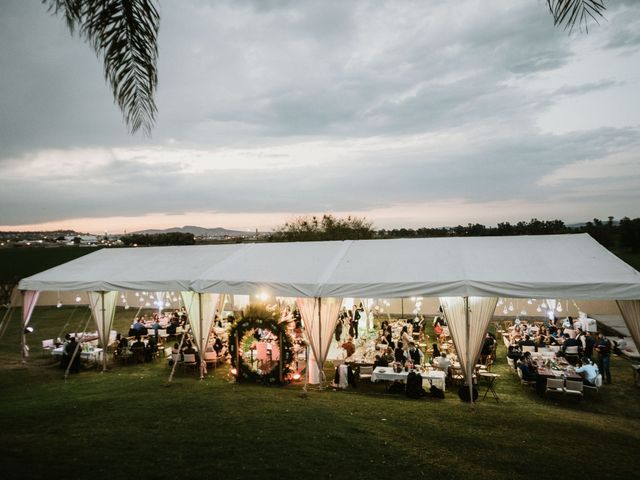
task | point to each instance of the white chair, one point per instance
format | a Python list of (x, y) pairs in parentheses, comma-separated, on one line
[(523, 381), (528, 348), (162, 333), (189, 360), (571, 354), (574, 387), (555, 385), (554, 348), (210, 358), (543, 350), (365, 372), (596, 386)]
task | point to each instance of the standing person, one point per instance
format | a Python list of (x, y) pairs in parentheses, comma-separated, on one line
[(589, 343), (356, 319), (603, 347), (350, 323), (338, 330)]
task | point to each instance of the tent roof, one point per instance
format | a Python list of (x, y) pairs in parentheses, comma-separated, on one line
[(549, 266)]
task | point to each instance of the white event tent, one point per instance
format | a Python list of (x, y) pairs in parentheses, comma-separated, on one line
[(467, 274)]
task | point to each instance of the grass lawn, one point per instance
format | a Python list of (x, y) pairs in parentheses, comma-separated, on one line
[(128, 422)]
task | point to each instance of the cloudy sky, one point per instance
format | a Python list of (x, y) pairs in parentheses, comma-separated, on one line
[(411, 113)]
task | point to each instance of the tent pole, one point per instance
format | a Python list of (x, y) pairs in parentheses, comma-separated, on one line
[(201, 339), (467, 332), (23, 336), (318, 360), (105, 335)]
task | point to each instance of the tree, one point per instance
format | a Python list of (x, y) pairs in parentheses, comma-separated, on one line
[(569, 13), (124, 33), (306, 229)]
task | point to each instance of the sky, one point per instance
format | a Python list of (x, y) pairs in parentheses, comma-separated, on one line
[(409, 113)]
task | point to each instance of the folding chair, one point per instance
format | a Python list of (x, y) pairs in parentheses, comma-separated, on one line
[(554, 385), (574, 387), (189, 361)]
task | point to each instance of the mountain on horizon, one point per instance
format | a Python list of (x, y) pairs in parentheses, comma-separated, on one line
[(198, 231)]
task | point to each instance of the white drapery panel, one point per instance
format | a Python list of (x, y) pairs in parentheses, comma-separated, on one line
[(29, 300), (320, 316), (103, 309), (201, 308), (630, 310), (468, 343), (551, 308), (160, 300)]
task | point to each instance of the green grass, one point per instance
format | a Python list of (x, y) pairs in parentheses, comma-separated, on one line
[(128, 420), (632, 259), (17, 263)]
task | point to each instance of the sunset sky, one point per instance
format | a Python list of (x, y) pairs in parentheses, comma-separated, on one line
[(410, 113)]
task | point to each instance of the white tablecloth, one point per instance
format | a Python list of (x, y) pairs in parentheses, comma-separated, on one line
[(436, 377), (94, 355)]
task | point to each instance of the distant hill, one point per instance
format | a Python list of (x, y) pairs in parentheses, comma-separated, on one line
[(200, 232)]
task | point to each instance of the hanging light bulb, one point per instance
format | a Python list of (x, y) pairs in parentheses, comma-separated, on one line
[(511, 307), (500, 302), (126, 307), (137, 294), (543, 305), (147, 304), (539, 309), (559, 307), (78, 299), (505, 311), (167, 304), (141, 300), (59, 304), (523, 313), (530, 302)]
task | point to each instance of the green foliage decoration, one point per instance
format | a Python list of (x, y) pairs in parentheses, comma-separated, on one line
[(255, 317)]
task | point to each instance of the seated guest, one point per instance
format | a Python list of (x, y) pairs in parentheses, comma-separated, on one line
[(123, 343), (69, 351), (173, 325), (398, 353), (436, 351), (389, 336), (515, 354), (349, 347), (527, 342), (414, 354), (487, 347), (217, 345), (380, 362), (137, 348), (388, 355), (571, 342), (138, 326), (527, 367), (442, 362), (619, 345), (152, 348), (406, 337), (588, 371)]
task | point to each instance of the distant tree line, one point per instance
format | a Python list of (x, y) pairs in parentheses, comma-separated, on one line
[(158, 239), (622, 235), (327, 227)]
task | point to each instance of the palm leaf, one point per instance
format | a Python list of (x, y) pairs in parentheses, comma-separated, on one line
[(576, 12), (124, 34)]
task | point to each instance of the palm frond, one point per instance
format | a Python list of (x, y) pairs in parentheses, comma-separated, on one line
[(124, 34), (576, 12)]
